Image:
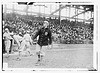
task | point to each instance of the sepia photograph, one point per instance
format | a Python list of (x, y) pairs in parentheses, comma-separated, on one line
[(48, 35)]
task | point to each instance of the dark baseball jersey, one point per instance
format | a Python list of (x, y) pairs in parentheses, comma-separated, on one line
[(44, 36)]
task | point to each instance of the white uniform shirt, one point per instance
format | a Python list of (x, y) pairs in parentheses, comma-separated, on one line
[(17, 37), (27, 38), (7, 36)]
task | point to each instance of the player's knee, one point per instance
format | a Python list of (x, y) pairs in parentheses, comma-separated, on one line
[(38, 53), (42, 54)]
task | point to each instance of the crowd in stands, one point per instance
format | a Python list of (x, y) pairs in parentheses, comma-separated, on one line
[(74, 33), (69, 32)]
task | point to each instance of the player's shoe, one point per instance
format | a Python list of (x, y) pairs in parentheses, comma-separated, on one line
[(38, 62)]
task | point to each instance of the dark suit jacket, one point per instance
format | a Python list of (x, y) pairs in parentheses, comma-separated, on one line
[(44, 36)]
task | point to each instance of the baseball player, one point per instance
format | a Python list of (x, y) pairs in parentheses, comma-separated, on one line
[(44, 40), (25, 45), (17, 39), (7, 37)]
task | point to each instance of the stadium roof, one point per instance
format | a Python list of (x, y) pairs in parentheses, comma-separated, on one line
[(81, 12)]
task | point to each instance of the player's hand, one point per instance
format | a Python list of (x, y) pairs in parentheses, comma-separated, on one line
[(49, 46)]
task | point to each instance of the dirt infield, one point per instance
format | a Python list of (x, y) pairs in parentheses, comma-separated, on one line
[(60, 56)]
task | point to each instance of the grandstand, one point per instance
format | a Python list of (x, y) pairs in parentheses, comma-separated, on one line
[(71, 26), (75, 22)]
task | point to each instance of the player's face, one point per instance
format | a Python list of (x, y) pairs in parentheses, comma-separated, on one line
[(6, 30), (45, 24)]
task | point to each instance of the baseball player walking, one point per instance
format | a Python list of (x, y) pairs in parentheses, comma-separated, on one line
[(44, 40)]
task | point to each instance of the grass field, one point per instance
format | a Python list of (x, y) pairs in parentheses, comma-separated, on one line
[(60, 56)]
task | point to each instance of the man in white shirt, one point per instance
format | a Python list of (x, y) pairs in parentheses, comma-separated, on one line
[(17, 39), (7, 37), (25, 44)]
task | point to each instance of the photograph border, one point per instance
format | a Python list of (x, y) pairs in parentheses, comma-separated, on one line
[(95, 45)]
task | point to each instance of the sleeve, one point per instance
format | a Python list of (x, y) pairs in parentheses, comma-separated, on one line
[(50, 37), (37, 33), (4, 36)]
